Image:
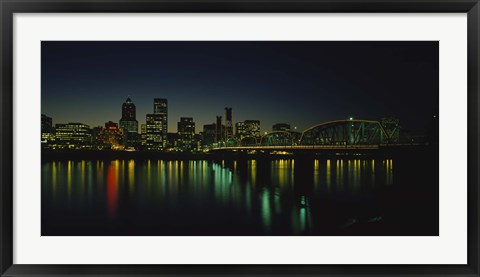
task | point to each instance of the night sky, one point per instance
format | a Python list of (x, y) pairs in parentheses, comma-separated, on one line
[(300, 83)]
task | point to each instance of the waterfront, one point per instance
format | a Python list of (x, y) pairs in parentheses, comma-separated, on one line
[(246, 197)]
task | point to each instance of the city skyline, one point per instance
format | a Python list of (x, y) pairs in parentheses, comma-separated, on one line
[(299, 83), (137, 126), (239, 138)]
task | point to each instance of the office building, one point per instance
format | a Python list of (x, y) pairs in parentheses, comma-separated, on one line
[(111, 137), (160, 106), (143, 134), (129, 124), (155, 132), (228, 124), (73, 135), (156, 127), (186, 133), (247, 128), (209, 134), (219, 130), (97, 140)]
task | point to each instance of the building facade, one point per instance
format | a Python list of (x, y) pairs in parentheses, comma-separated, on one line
[(228, 124), (73, 135), (155, 134), (129, 124), (209, 134), (156, 127), (247, 128), (186, 134), (219, 130), (143, 135), (111, 137)]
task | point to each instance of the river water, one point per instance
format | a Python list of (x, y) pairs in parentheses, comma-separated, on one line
[(369, 196)]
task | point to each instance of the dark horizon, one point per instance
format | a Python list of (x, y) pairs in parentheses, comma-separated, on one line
[(299, 83)]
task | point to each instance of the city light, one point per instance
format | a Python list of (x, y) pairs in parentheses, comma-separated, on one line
[(153, 136)]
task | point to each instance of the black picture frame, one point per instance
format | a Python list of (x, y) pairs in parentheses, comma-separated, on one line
[(9, 7)]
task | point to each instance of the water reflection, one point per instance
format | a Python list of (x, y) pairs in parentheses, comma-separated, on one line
[(243, 197)]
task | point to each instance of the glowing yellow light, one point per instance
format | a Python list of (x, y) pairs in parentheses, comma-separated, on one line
[(329, 177), (131, 174)]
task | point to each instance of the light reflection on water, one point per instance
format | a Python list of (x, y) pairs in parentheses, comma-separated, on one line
[(237, 197)]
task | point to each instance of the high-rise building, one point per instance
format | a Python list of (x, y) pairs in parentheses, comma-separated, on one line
[(248, 128), (143, 132), (155, 132), (209, 134), (186, 127), (228, 124), (281, 127), (73, 135), (160, 106), (156, 126), (186, 133), (128, 122), (219, 130)]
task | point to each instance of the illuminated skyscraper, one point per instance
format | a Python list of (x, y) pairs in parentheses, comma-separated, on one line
[(219, 130), (156, 127), (143, 132), (160, 106), (186, 127), (128, 122), (228, 124), (186, 133), (248, 128), (155, 138)]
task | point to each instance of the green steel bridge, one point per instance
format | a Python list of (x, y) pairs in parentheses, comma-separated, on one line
[(333, 135)]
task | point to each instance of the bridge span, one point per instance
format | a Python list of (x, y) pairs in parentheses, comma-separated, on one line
[(394, 149), (333, 137), (295, 147)]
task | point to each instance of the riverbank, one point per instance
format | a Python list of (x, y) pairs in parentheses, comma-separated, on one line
[(387, 152)]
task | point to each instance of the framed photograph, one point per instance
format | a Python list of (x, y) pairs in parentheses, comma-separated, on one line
[(239, 137)]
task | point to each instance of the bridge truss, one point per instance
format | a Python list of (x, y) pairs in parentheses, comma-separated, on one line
[(338, 133), (345, 132)]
